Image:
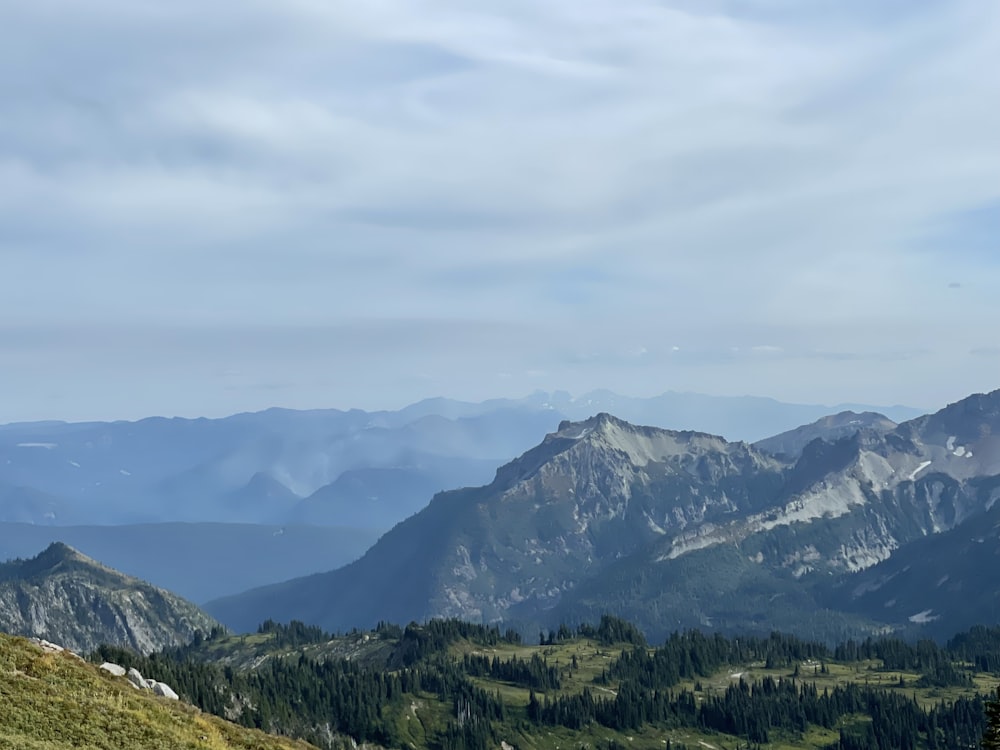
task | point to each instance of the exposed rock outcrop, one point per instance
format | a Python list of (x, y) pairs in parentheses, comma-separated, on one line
[(136, 680), (65, 597), (608, 515), (116, 669)]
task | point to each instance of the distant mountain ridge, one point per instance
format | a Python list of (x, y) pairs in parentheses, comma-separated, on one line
[(330, 467), (199, 561), (68, 598), (830, 428), (606, 514)]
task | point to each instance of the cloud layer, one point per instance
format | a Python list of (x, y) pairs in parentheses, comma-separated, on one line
[(205, 209)]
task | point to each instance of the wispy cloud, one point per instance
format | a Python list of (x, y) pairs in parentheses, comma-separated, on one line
[(603, 178)]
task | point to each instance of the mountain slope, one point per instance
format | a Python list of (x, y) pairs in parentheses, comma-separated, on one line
[(845, 507), (65, 597), (589, 494), (602, 510), (53, 701), (873, 492), (935, 586)]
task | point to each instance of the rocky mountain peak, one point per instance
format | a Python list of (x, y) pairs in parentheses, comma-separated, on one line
[(66, 597), (962, 439), (55, 558), (592, 493), (58, 552), (642, 444), (606, 443), (976, 411)]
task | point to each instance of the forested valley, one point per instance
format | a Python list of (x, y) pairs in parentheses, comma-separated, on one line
[(452, 685)]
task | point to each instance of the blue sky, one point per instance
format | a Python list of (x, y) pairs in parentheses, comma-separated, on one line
[(212, 209)]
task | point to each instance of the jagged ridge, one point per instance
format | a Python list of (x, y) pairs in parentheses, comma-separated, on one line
[(590, 493), (621, 507)]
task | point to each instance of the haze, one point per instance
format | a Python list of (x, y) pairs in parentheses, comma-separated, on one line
[(208, 209)]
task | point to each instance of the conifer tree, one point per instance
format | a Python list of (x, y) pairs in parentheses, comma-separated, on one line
[(991, 735)]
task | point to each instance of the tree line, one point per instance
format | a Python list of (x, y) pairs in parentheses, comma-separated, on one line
[(327, 701)]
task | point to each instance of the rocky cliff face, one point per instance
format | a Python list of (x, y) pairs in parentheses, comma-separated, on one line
[(848, 505), (625, 513), (63, 596), (591, 493)]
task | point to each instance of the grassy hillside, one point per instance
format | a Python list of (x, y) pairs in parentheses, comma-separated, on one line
[(58, 702)]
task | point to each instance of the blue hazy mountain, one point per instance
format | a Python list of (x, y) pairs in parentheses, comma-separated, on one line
[(332, 467), (199, 561)]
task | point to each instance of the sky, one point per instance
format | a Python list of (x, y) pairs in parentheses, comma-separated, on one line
[(215, 207)]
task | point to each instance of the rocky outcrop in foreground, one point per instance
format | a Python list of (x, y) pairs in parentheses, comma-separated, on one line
[(136, 680)]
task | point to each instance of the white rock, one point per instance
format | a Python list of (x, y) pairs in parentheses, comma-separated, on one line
[(47, 646), (136, 678), (161, 688), (116, 669)]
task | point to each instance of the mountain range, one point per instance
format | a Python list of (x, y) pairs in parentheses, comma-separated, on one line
[(253, 499), (323, 467), (677, 528)]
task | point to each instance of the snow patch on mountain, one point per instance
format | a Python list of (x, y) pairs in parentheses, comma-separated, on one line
[(913, 474), (922, 618)]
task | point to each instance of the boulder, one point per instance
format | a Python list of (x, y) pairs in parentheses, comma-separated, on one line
[(135, 677), (47, 646), (116, 669), (161, 688)]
